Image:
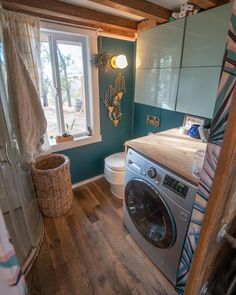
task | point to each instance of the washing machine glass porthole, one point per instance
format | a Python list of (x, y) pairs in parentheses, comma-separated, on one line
[(150, 213)]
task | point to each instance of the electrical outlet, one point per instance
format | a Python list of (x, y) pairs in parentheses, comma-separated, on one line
[(153, 121)]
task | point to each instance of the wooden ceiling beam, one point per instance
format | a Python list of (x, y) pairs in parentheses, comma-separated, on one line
[(205, 4), (68, 21), (142, 8), (62, 9), (146, 24)]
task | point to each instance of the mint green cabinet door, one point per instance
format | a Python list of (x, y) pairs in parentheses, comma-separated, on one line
[(205, 37), (197, 90), (161, 47), (157, 87)]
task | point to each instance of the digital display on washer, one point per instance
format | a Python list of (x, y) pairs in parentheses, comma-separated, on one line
[(176, 186)]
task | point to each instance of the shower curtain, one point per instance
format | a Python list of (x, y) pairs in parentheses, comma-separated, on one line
[(19, 71), (25, 31)]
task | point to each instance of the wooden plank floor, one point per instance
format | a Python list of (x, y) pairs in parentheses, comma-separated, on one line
[(88, 251)]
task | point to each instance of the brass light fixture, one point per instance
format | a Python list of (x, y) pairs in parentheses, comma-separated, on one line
[(119, 62)]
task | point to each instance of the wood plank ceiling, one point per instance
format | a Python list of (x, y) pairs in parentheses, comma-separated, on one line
[(151, 14)]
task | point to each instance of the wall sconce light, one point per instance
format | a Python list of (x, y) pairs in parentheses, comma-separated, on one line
[(119, 62)]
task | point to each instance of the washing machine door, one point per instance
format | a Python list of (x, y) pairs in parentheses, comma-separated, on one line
[(150, 213)]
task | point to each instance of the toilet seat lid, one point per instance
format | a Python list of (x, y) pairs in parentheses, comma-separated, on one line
[(116, 161)]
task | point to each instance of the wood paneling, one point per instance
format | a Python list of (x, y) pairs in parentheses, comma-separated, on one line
[(88, 251), (49, 9), (143, 8), (67, 13)]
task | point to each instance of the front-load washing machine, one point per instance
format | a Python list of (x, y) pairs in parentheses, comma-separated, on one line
[(157, 210)]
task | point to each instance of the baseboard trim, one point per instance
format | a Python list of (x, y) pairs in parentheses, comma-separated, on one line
[(75, 185)]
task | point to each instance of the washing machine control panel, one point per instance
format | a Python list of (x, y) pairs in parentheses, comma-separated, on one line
[(176, 186)]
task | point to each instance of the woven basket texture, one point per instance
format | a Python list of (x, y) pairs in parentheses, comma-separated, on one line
[(51, 174)]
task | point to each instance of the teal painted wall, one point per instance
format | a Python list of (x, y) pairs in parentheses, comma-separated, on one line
[(88, 161), (168, 119)]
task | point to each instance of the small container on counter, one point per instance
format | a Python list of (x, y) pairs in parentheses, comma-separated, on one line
[(184, 130), (194, 132), (198, 163)]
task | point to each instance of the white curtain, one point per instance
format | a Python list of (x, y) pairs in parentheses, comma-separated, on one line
[(25, 31), (22, 50)]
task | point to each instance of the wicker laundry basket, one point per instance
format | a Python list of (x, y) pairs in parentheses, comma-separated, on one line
[(51, 174)]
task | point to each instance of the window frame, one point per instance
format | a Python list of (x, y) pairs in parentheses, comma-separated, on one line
[(88, 38)]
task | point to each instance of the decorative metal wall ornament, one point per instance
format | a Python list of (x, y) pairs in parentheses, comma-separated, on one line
[(113, 97), (120, 86)]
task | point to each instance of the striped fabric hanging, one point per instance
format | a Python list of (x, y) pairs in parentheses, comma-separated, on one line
[(225, 93)]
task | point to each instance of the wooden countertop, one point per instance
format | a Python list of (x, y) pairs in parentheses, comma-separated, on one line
[(171, 149)]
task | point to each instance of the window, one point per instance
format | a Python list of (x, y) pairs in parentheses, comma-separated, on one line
[(69, 88)]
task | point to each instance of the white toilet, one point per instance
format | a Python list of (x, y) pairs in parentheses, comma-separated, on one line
[(114, 172)]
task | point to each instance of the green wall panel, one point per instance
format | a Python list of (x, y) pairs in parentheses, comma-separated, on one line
[(168, 119)]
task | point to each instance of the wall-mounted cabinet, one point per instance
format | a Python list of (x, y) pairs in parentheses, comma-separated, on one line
[(205, 37), (159, 52), (197, 90), (157, 87), (161, 47), (178, 63)]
